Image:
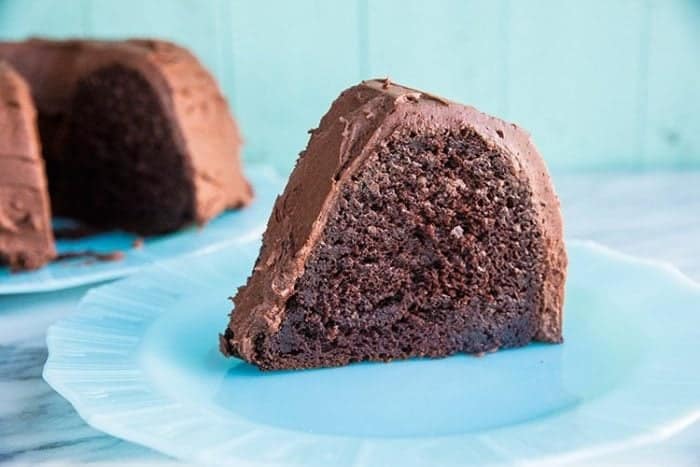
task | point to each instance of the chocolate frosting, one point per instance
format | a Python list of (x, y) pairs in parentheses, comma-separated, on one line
[(205, 129), (357, 121), (26, 240)]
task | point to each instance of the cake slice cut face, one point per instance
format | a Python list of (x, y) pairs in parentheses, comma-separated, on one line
[(411, 227), (26, 239)]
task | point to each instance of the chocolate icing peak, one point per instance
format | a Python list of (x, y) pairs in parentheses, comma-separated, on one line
[(403, 93)]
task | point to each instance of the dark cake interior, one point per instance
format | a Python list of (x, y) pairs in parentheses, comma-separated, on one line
[(121, 142), (417, 259)]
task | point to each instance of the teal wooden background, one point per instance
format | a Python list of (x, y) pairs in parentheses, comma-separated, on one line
[(600, 84)]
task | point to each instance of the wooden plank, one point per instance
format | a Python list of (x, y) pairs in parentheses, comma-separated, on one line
[(290, 61), (51, 18), (454, 48), (575, 80), (600, 84), (672, 128)]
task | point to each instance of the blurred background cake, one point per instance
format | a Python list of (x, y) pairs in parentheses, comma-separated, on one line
[(135, 134)]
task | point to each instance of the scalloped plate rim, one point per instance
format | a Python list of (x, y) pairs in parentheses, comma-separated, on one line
[(656, 434)]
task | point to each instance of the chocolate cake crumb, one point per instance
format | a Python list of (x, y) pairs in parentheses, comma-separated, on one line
[(457, 232)]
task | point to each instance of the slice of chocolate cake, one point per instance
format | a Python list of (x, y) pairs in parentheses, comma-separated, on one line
[(135, 134), (26, 240), (411, 227)]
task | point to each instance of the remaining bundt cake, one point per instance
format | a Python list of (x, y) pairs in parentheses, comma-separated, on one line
[(135, 134), (26, 240), (411, 226)]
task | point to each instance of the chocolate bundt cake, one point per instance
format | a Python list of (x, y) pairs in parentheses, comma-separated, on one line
[(411, 227), (26, 239), (135, 134)]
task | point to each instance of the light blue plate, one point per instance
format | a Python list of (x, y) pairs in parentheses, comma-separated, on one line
[(139, 360), (234, 226)]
